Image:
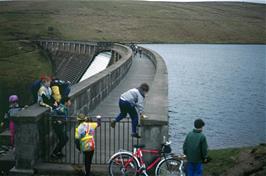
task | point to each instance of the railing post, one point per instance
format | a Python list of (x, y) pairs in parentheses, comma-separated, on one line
[(28, 140), (152, 136)]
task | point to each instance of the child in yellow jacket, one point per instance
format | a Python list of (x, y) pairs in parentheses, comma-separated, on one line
[(84, 138)]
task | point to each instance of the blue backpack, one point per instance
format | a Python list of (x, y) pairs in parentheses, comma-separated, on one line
[(64, 87), (34, 90)]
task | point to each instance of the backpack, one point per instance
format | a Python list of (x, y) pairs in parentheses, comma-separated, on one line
[(83, 140), (64, 87), (34, 90)]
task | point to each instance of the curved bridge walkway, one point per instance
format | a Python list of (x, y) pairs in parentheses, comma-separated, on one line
[(141, 70)]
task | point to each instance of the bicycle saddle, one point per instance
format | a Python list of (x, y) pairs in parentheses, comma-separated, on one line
[(139, 145)]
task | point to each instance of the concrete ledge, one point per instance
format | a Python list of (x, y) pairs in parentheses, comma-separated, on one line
[(58, 169), (156, 106), (7, 161), (5, 137), (31, 114), (67, 169), (154, 122), (21, 172)]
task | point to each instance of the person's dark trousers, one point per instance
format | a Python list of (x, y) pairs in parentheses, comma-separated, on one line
[(60, 131), (88, 158), (126, 107), (194, 169)]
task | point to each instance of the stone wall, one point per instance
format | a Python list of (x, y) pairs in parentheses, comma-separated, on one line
[(70, 58), (87, 94)]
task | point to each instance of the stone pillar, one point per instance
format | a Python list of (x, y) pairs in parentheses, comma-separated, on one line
[(41, 43), (152, 136), (86, 49), (57, 46), (71, 50), (75, 47), (89, 49), (28, 140), (116, 57), (93, 50), (112, 60)]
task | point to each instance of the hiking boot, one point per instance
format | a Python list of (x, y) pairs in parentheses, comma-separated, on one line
[(90, 174), (136, 135), (59, 154), (54, 156), (113, 124)]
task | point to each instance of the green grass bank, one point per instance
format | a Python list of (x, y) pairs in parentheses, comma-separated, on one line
[(119, 21)]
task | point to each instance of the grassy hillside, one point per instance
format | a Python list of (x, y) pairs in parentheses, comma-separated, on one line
[(137, 21), (120, 21)]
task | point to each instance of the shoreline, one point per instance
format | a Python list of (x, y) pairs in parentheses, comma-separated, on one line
[(177, 43), (230, 161)]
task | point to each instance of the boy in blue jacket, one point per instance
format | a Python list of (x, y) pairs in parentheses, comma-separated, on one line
[(131, 102)]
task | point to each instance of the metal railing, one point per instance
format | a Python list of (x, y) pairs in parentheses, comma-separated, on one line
[(107, 140)]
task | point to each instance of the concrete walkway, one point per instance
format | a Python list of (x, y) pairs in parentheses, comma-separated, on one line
[(109, 140), (142, 70)]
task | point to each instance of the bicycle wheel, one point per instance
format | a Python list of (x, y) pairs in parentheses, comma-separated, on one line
[(123, 164), (170, 167)]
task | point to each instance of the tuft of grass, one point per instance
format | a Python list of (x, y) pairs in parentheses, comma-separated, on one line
[(222, 160)]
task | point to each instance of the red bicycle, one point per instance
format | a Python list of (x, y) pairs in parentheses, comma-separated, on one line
[(130, 164)]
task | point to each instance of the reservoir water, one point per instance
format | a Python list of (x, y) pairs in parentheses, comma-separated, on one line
[(222, 84)]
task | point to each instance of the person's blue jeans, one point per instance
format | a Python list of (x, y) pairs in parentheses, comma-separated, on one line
[(194, 169), (127, 108)]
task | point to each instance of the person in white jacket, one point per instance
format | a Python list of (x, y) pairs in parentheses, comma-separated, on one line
[(131, 102)]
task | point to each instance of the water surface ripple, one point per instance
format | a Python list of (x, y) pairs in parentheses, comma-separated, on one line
[(222, 84)]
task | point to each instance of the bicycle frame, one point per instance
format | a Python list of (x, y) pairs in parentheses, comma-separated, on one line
[(139, 155), (129, 160)]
